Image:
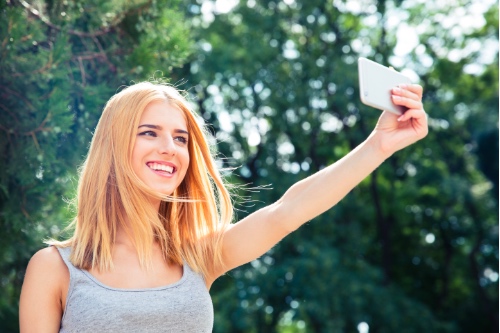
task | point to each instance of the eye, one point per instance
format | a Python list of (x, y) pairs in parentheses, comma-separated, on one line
[(148, 133), (181, 139)]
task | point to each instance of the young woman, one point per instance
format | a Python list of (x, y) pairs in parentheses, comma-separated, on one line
[(153, 227)]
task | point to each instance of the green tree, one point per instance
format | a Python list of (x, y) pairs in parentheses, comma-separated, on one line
[(415, 246), (59, 63)]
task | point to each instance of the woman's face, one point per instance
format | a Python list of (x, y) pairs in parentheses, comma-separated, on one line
[(160, 157)]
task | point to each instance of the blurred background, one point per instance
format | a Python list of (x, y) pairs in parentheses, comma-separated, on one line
[(414, 248)]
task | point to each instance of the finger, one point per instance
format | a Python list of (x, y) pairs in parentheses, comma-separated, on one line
[(418, 121), (405, 93), (414, 88), (410, 103), (413, 113)]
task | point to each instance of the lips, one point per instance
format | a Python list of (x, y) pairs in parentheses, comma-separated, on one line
[(162, 167)]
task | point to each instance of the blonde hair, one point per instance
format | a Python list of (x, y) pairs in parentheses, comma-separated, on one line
[(189, 223)]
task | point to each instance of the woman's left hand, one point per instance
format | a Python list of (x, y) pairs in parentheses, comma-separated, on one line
[(394, 132)]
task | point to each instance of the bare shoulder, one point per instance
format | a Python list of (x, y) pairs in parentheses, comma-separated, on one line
[(44, 291), (47, 268), (47, 261)]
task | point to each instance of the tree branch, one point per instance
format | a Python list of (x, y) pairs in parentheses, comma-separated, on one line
[(37, 71), (35, 13), (15, 93), (12, 114)]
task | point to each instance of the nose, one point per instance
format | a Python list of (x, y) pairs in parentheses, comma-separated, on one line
[(168, 147)]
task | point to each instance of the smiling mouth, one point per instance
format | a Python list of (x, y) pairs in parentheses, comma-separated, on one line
[(161, 167)]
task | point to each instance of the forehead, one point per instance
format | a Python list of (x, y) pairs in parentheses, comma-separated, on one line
[(163, 112)]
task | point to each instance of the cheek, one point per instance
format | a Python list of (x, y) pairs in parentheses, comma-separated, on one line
[(186, 156), (186, 162), (137, 155), (136, 166)]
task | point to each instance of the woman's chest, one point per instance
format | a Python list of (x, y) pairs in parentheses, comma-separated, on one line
[(185, 306)]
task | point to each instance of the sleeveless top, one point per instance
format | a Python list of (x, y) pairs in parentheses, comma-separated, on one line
[(184, 306)]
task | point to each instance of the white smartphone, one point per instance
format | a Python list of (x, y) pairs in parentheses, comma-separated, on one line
[(375, 85)]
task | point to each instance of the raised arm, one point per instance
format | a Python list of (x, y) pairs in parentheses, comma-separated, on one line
[(308, 198)]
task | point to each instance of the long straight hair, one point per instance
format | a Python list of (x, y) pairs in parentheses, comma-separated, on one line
[(189, 223)]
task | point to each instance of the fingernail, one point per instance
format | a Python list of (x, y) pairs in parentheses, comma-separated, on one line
[(396, 98), (397, 90), (403, 86)]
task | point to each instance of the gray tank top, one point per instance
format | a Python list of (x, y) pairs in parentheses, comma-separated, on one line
[(184, 306)]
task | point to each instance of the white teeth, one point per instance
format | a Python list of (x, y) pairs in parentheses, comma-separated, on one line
[(161, 167)]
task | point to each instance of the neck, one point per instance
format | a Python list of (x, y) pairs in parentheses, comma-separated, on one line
[(155, 203), (122, 238)]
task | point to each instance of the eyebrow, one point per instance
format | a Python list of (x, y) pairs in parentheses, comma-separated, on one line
[(159, 128)]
